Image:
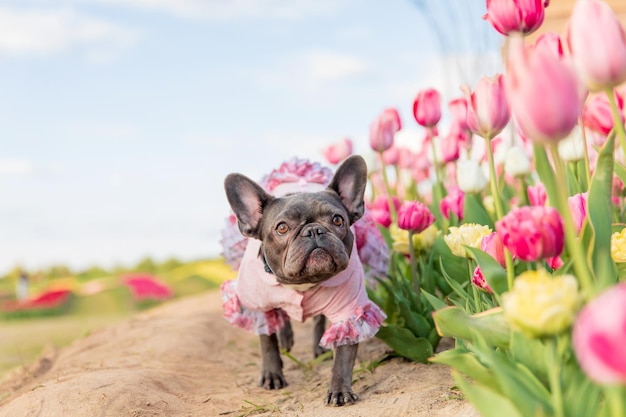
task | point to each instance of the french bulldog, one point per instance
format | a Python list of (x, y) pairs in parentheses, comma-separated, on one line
[(305, 240)]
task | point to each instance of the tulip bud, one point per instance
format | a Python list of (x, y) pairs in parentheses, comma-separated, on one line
[(383, 129), (517, 163), (339, 151), (537, 195), (509, 16), (414, 216), (597, 42), (453, 203), (427, 107), (468, 234), (470, 176), (572, 148), (597, 114), (487, 107), (618, 246), (578, 207)]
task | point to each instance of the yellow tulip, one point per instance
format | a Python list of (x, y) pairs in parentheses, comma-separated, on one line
[(469, 234), (618, 246)]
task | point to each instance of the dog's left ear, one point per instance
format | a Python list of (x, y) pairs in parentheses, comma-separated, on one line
[(349, 182), (248, 200)]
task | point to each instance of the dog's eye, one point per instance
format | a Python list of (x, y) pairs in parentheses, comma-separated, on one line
[(337, 220), (282, 228)]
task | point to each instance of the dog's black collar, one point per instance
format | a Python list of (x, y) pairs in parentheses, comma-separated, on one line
[(265, 265)]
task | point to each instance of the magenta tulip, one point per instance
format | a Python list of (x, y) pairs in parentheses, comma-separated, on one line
[(597, 114), (597, 42), (414, 216), (383, 129), (515, 16), (543, 92), (487, 107), (453, 203), (599, 337), (532, 233), (337, 152), (379, 210), (427, 107), (479, 280)]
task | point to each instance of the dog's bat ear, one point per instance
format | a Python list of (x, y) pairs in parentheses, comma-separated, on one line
[(349, 182), (248, 200)]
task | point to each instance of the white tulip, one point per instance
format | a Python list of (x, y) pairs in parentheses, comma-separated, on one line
[(517, 162), (572, 147), (470, 176)]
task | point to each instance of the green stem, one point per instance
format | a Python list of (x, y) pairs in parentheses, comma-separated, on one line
[(493, 182), (615, 396), (392, 207), (571, 242), (434, 150), (583, 134), (618, 125), (554, 376), (415, 279)]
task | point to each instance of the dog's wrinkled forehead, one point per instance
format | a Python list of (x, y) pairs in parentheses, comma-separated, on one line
[(307, 206)]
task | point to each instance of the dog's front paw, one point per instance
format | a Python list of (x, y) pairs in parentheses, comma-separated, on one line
[(339, 398), (272, 380)]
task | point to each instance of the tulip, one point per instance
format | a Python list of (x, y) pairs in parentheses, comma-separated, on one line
[(414, 216), (597, 42), (380, 211), (468, 234), (453, 203), (421, 241), (383, 129), (618, 246), (479, 280), (572, 148), (532, 233), (537, 195), (391, 156), (470, 176), (578, 207), (597, 114), (544, 93), (450, 149), (517, 162), (519, 16), (427, 107), (540, 304), (492, 245), (337, 152), (487, 107), (550, 41), (599, 337)]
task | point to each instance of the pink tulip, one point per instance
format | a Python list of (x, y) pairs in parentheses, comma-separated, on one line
[(405, 158), (391, 156), (487, 107), (453, 203), (597, 42), (479, 280), (337, 152), (458, 125), (550, 41), (383, 129), (427, 107), (599, 337), (532, 233), (520, 16), (555, 262), (543, 92), (492, 245), (450, 149), (578, 207), (379, 209), (537, 194), (597, 114), (414, 216)]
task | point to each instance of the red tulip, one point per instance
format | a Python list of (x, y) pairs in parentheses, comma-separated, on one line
[(532, 233), (339, 151), (597, 42), (383, 129), (520, 16), (427, 107), (543, 92), (414, 216), (599, 337), (487, 107)]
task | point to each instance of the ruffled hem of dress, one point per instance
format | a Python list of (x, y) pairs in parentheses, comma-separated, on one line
[(259, 322), (361, 326)]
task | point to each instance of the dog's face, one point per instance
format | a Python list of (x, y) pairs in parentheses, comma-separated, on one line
[(305, 237)]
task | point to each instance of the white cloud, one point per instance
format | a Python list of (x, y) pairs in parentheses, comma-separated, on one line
[(16, 167), (233, 9), (329, 65), (42, 32)]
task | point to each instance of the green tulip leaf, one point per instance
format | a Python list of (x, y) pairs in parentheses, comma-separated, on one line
[(493, 272), (474, 211), (491, 325), (466, 363), (405, 344), (488, 402)]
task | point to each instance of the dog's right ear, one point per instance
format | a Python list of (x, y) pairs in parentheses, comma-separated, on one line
[(248, 200)]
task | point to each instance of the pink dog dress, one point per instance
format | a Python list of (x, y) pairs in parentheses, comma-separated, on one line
[(255, 301)]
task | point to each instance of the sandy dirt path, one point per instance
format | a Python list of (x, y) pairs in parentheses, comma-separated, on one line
[(183, 359)]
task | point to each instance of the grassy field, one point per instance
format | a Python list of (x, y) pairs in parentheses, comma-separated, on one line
[(24, 339)]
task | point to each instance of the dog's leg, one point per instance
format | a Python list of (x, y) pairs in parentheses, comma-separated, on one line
[(340, 391), (285, 337), (272, 371), (319, 326)]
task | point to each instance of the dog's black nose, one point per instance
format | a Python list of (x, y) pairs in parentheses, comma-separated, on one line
[(312, 231)]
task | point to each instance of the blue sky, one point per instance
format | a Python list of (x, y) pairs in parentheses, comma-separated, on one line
[(120, 118)]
